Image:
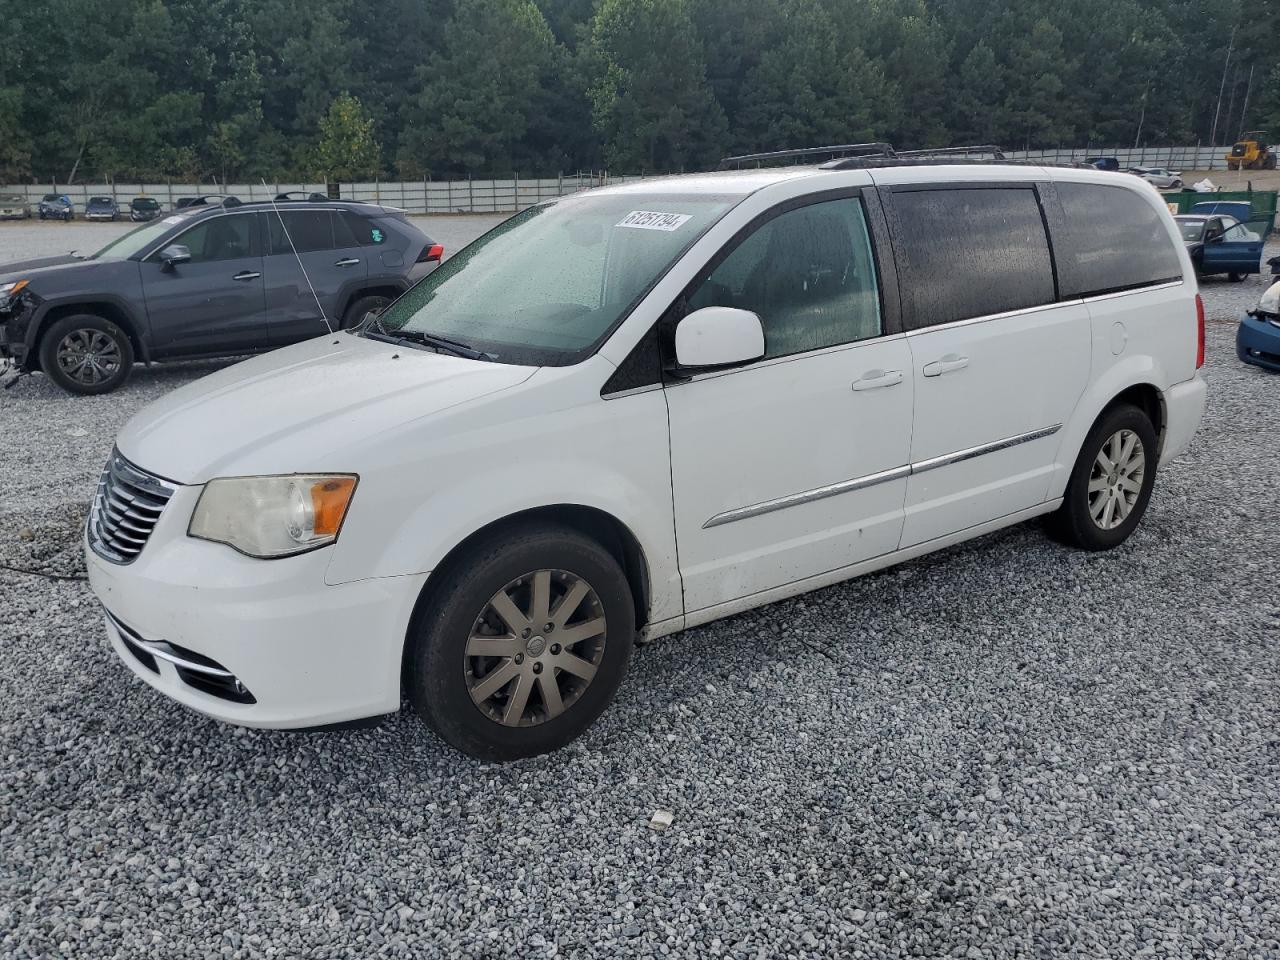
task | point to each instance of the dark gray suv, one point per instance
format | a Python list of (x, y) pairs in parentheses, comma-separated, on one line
[(207, 282)]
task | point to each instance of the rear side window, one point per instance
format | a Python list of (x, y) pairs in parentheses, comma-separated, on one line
[(310, 230), (808, 273), (363, 229), (1112, 239), (966, 253)]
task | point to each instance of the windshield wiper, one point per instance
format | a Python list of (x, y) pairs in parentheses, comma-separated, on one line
[(444, 343), (380, 332)]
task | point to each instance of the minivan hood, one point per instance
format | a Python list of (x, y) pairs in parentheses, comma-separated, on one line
[(302, 408)]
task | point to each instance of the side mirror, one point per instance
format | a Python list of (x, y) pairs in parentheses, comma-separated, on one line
[(718, 337), (174, 254)]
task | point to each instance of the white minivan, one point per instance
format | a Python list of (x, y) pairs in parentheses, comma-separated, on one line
[(634, 410)]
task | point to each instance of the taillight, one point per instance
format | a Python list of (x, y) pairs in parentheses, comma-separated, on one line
[(431, 253), (1199, 332)]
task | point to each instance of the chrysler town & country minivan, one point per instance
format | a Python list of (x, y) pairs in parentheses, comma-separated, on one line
[(630, 411)]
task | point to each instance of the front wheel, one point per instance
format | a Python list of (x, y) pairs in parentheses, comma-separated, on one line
[(362, 310), (522, 644), (1111, 482), (86, 354)]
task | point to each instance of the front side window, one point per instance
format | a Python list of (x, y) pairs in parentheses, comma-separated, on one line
[(965, 253), (549, 284), (807, 273), (219, 238)]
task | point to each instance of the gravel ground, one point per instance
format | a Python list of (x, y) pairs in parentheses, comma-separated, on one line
[(1009, 749)]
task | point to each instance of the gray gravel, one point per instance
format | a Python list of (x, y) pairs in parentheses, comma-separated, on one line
[(1009, 749)]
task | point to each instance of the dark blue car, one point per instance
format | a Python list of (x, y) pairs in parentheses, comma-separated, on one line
[(1258, 338), (1218, 243)]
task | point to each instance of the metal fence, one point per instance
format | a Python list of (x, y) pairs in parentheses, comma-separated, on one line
[(413, 196), (517, 193), (1196, 157)]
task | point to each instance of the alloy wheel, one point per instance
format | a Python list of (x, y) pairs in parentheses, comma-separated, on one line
[(1115, 482), (535, 648), (89, 357)]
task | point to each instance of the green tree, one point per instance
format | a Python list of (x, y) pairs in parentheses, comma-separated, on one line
[(346, 149), (650, 99), (806, 90), (15, 145), (477, 95), (979, 90)]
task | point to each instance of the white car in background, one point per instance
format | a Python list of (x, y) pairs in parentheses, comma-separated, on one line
[(634, 410), (14, 206), (1159, 177)]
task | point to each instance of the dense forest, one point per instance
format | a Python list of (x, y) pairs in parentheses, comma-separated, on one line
[(231, 89)]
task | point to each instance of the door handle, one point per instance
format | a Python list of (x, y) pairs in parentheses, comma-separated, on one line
[(952, 361), (874, 379), (346, 262), (246, 275)]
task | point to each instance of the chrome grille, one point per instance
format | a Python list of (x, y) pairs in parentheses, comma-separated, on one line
[(125, 509)]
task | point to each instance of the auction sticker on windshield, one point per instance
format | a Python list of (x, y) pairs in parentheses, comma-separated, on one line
[(649, 220)]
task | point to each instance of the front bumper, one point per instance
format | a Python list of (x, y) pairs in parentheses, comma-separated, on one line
[(100, 216), (306, 654), (1258, 342)]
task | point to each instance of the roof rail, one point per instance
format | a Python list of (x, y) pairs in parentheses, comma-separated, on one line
[(877, 148), (980, 149)]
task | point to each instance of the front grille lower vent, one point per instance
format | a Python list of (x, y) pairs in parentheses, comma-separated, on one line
[(125, 510)]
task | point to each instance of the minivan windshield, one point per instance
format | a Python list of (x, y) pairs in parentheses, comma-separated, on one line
[(547, 285), (135, 241)]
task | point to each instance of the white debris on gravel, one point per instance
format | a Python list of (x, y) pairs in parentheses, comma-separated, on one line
[(661, 819), (1009, 749)]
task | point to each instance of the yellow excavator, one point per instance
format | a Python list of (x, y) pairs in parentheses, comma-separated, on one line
[(1251, 152)]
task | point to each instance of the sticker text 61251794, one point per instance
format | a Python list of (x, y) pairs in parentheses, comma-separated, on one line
[(652, 220)]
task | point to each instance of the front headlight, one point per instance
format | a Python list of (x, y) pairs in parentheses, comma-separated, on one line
[(1270, 302), (12, 288), (268, 517)]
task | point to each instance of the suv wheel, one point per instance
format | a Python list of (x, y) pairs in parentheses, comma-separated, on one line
[(363, 309), (1111, 482), (86, 353), (523, 645)]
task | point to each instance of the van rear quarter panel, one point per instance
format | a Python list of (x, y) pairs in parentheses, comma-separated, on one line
[(1142, 336)]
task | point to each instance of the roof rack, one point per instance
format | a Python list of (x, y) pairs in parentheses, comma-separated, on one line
[(878, 148)]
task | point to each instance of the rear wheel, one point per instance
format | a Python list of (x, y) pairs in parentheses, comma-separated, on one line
[(523, 644), (86, 354), (1111, 482), (365, 308)]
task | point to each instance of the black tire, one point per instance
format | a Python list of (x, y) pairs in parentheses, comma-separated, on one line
[(361, 308), (439, 672), (42, 216), (1073, 523), (90, 330)]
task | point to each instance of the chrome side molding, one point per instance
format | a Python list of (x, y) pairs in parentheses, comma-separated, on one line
[(884, 476), (933, 463), (808, 496)]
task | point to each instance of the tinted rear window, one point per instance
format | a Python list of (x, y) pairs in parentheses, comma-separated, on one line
[(1112, 239), (310, 230), (969, 253)]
